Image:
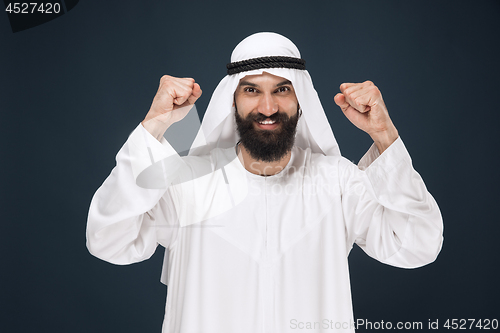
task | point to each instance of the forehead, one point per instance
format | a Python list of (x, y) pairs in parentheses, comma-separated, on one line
[(264, 78)]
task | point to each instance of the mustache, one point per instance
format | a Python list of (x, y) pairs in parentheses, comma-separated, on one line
[(277, 117)]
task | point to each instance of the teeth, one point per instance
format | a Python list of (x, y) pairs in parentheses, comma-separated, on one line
[(267, 122)]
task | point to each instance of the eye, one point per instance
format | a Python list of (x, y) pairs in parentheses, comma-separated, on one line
[(283, 89), (250, 89)]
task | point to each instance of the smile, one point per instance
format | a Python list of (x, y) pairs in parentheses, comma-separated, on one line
[(267, 124)]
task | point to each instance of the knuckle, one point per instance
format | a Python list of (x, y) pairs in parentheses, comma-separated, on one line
[(186, 92), (369, 82)]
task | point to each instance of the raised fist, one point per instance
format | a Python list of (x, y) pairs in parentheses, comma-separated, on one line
[(363, 105), (173, 100)]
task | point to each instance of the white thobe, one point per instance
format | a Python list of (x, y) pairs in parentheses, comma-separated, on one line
[(253, 254)]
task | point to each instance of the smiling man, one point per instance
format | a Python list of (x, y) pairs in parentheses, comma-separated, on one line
[(268, 121), (259, 219)]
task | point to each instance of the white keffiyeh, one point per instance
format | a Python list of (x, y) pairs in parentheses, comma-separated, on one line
[(218, 129)]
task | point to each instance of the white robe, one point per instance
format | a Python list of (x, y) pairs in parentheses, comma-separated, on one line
[(253, 254)]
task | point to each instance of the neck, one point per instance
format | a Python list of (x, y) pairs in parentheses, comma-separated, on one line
[(259, 167)]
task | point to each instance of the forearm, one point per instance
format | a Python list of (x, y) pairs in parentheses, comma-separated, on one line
[(118, 229), (384, 139), (121, 225), (389, 211), (156, 127)]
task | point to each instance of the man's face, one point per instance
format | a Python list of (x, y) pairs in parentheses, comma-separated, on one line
[(266, 115)]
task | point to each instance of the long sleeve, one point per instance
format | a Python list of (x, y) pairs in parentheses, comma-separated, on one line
[(387, 209), (126, 222)]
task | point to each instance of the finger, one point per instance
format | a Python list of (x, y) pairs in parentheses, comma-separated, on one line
[(180, 91), (166, 80), (182, 96), (173, 93), (162, 83), (355, 117), (340, 100), (180, 84), (354, 103), (170, 95), (187, 80), (355, 87), (350, 95), (177, 91), (362, 99), (344, 86), (352, 114), (169, 81), (191, 89), (195, 94), (368, 96)]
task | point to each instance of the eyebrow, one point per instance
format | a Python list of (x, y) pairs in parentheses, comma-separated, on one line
[(247, 83), (284, 83)]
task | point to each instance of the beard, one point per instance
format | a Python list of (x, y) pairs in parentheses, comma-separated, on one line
[(267, 145)]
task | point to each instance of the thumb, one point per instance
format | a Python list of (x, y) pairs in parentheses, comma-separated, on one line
[(340, 100), (195, 94)]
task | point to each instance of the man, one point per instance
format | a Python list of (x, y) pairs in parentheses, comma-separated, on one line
[(259, 219)]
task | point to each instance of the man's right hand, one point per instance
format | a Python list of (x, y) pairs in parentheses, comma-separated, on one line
[(173, 100)]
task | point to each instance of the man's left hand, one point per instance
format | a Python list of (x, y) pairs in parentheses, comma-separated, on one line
[(363, 105)]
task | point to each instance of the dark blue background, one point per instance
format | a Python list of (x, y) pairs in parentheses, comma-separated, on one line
[(74, 88)]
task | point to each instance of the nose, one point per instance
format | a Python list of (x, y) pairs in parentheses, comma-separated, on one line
[(268, 105)]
